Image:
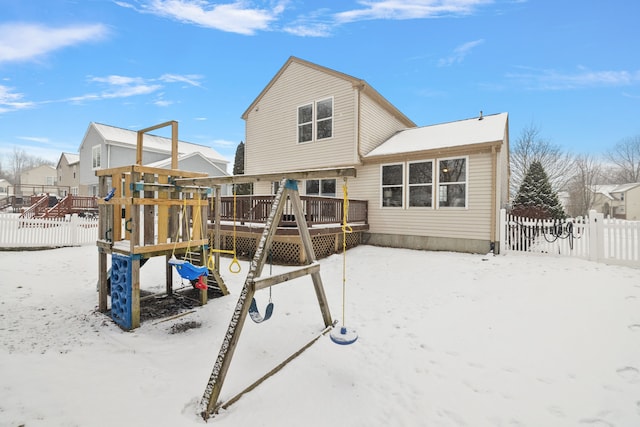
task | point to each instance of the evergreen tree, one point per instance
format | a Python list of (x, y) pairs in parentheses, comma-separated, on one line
[(238, 169), (535, 198)]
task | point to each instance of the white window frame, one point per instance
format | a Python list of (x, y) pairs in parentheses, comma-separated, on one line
[(299, 125), (431, 184), (96, 157), (384, 188), (320, 193), (314, 120), (441, 186)]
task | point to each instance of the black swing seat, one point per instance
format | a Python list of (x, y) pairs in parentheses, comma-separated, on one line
[(188, 271), (255, 314)]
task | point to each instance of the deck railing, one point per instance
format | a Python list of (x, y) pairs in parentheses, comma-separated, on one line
[(72, 204), (318, 210)]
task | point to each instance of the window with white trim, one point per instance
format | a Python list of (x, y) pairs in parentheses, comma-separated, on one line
[(315, 120), (392, 185), (420, 184), (96, 152), (452, 182)]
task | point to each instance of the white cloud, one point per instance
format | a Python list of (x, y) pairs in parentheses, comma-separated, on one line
[(11, 101), (459, 53), (309, 30), (191, 79), (24, 42), (409, 9), (125, 86), (236, 17), (553, 80), (41, 140)]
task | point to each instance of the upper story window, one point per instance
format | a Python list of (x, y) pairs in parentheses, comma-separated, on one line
[(321, 187), (392, 185), (452, 182), (315, 119), (95, 157), (421, 184)]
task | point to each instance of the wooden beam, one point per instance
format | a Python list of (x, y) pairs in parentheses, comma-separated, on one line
[(148, 169), (277, 176), (265, 282), (230, 340), (311, 258)]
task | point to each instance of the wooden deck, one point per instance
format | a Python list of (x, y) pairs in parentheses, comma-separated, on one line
[(323, 216)]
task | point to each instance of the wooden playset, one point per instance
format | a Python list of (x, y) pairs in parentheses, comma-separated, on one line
[(150, 212)]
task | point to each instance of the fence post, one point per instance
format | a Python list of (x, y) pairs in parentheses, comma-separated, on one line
[(73, 225), (502, 231), (596, 236)]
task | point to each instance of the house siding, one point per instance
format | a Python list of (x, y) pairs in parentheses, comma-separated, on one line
[(363, 121), (632, 199), (271, 127), (376, 124), (469, 223), (87, 173)]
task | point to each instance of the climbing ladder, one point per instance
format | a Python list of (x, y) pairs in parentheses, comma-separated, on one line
[(288, 190)]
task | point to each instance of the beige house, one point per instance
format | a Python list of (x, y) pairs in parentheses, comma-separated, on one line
[(436, 187), (68, 172), (618, 201), (41, 179)]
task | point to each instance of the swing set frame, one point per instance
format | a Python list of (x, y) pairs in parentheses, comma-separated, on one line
[(287, 193)]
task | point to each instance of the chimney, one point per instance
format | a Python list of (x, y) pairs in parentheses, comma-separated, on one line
[(480, 118)]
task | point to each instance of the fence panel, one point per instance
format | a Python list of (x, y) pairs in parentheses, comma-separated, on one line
[(621, 240), (611, 241), (561, 237), (16, 232)]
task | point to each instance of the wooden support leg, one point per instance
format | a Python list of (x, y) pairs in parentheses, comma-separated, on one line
[(168, 274), (102, 278), (135, 293)]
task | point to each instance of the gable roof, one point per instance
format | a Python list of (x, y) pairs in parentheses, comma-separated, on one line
[(478, 130), (70, 157), (126, 137), (166, 163), (356, 82), (608, 190)]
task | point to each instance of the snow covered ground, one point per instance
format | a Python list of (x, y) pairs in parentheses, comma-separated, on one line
[(445, 339)]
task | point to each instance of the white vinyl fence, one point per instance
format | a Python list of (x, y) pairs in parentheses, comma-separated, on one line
[(612, 241), (16, 232)]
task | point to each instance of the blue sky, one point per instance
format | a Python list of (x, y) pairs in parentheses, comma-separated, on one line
[(569, 67)]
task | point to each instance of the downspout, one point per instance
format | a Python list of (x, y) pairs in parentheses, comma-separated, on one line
[(494, 179)]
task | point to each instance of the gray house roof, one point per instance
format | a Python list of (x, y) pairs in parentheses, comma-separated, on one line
[(71, 158), (478, 130), (608, 190), (166, 163), (124, 137)]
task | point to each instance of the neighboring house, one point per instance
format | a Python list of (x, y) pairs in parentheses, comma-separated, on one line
[(105, 147), (437, 187), (618, 201), (68, 172), (41, 179), (4, 186)]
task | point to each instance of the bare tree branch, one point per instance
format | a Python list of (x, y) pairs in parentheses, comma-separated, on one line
[(588, 175), (531, 147), (625, 155)]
